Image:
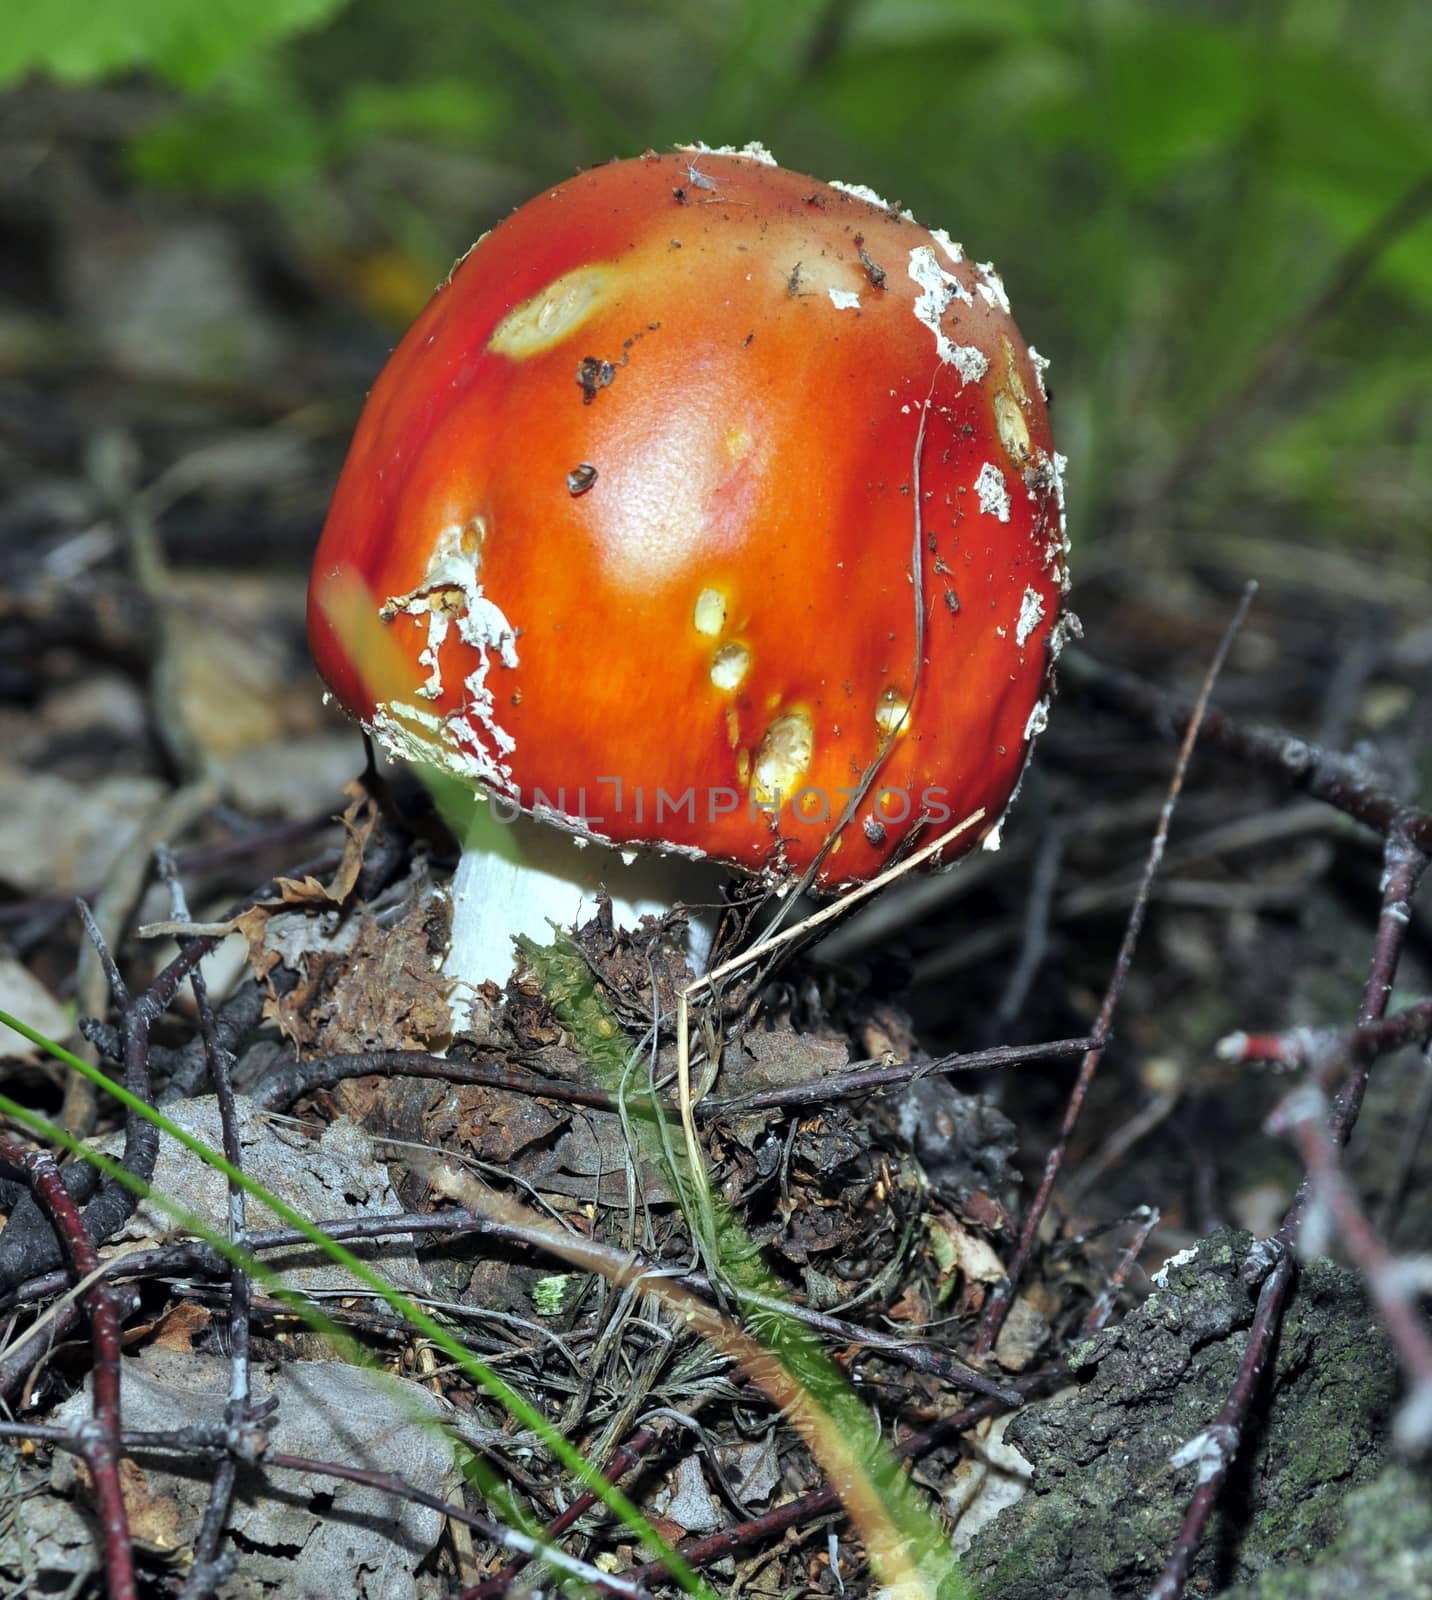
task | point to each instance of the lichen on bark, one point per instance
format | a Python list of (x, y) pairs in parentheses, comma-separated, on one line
[(1105, 1505)]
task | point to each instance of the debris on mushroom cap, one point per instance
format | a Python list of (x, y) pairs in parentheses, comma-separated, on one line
[(650, 496)]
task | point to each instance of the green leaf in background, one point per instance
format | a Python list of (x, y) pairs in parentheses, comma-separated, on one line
[(189, 42), (1158, 95), (441, 108), (260, 131), (256, 133), (1350, 151)]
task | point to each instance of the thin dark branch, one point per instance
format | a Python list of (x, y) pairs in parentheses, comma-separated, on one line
[(291, 1080), (997, 1307), (209, 1570), (869, 1079), (1394, 1287), (28, 1244), (622, 1461), (1341, 781)]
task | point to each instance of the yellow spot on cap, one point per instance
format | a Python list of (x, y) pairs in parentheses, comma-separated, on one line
[(1013, 429), (733, 727), (730, 665), (743, 765), (709, 617), (892, 712), (783, 757), (551, 314), (1012, 379), (738, 442)]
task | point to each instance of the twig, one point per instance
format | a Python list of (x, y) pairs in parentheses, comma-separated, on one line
[(1341, 781), (291, 1080), (28, 1244), (113, 907), (1215, 1449), (1038, 906), (997, 1307), (870, 1079), (209, 1570), (622, 1461), (99, 1438), (1147, 1219), (1393, 1285), (1324, 1052)]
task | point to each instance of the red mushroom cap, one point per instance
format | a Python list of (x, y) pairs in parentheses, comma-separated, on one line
[(645, 494)]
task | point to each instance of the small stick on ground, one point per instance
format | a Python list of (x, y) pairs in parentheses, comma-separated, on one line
[(1395, 1286), (1000, 1301), (209, 1570)]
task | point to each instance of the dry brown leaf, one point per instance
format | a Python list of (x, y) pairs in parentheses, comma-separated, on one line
[(253, 925), (1022, 1336), (359, 819), (154, 1519), (182, 1327)]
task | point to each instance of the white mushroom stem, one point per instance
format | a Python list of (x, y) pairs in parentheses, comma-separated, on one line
[(522, 876)]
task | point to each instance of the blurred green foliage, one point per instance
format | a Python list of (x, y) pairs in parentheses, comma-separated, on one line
[(188, 42), (1166, 186)]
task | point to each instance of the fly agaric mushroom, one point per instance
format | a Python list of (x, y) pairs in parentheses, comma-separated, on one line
[(700, 491)]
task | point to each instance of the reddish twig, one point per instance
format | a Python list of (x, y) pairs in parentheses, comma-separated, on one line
[(622, 1461), (999, 1302), (1325, 1053), (1393, 1285), (99, 1439), (28, 1244)]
